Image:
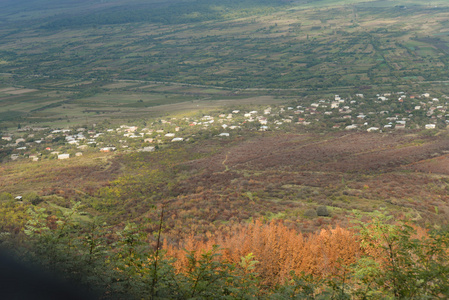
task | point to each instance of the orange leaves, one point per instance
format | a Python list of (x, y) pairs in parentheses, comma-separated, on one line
[(278, 250), (333, 249)]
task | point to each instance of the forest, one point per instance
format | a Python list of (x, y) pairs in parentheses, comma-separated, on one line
[(262, 260)]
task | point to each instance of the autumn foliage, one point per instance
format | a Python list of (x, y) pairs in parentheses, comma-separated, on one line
[(369, 261), (383, 258), (278, 249)]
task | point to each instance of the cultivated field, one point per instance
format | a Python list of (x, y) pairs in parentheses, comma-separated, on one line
[(72, 68)]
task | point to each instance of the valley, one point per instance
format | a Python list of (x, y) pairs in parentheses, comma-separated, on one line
[(228, 149)]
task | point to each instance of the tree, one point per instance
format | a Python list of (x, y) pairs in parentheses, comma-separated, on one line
[(401, 261)]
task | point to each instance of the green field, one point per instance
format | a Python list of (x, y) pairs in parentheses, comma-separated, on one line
[(79, 61)]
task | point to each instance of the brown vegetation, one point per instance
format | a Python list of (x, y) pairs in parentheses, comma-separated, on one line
[(278, 249), (215, 184)]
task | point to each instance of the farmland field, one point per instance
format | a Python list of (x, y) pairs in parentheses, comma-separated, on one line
[(294, 48)]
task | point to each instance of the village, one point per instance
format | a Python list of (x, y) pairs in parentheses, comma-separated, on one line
[(382, 113)]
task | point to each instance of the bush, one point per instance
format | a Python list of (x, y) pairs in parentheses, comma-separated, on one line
[(6, 196), (322, 211), (310, 213), (32, 198)]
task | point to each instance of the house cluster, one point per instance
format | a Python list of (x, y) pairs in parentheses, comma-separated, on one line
[(376, 113), (382, 112)]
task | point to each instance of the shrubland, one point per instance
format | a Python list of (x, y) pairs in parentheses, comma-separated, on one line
[(230, 218)]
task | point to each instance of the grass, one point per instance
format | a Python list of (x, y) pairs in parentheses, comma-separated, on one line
[(58, 109), (25, 176)]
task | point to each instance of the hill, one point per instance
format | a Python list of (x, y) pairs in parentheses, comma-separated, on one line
[(214, 183)]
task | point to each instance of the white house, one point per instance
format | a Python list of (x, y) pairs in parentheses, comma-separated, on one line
[(34, 157), (148, 149), (263, 121), (107, 149)]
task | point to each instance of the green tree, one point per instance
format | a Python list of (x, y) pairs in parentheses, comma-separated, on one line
[(208, 277), (403, 265)]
